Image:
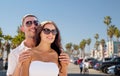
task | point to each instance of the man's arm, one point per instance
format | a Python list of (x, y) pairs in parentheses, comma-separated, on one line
[(64, 58), (22, 68), (64, 61), (12, 60)]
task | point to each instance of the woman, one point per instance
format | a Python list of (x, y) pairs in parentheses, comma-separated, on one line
[(44, 57)]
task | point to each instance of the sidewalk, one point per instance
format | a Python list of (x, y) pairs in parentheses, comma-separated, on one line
[(74, 69)]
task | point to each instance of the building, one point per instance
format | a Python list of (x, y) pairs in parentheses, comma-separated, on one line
[(112, 48)]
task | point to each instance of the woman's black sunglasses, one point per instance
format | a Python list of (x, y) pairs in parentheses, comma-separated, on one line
[(47, 31), (29, 23)]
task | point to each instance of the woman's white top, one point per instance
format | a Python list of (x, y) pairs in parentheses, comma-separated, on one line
[(40, 68)]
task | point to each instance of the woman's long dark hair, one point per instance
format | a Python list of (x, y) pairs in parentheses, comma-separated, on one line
[(56, 45)]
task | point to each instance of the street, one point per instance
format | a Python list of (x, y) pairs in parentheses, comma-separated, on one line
[(73, 70)]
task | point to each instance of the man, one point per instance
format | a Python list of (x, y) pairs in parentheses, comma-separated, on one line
[(29, 24)]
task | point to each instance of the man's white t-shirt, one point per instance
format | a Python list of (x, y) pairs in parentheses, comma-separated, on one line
[(13, 58)]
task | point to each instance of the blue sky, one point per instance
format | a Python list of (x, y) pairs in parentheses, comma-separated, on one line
[(76, 19)]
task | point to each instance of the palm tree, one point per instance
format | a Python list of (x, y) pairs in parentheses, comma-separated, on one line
[(111, 31), (82, 47), (97, 42), (7, 38), (76, 49), (68, 46), (96, 36), (107, 21), (17, 39), (103, 45), (117, 34), (96, 45), (1, 37), (88, 42)]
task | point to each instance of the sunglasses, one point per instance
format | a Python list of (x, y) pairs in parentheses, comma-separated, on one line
[(47, 31), (29, 23)]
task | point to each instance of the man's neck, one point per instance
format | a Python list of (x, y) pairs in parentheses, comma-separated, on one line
[(29, 43)]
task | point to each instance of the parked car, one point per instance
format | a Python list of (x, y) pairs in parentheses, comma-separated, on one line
[(91, 62), (117, 70), (111, 70), (97, 66), (106, 64), (107, 59), (75, 60)]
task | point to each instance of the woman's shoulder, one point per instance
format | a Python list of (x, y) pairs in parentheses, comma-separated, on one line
[(54, 52), (55, 55)]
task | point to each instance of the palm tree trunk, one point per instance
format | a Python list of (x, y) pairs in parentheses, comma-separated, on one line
[(83, 53), (103, 52)]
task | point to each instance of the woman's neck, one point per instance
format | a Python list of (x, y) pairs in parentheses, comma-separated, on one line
[(44, 47)]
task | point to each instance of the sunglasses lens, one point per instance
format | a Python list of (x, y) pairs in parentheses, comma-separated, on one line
[(54, 32), (47, 31), (36, 23), (29, 23)]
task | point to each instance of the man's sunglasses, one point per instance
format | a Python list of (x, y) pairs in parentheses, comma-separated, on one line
[(47, 31), (29, 23)]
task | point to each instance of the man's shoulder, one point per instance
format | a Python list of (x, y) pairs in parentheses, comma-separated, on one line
[(15, 49), (18, 49)]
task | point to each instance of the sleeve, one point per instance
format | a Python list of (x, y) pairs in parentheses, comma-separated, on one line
[(22, 69), (12, 61)]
